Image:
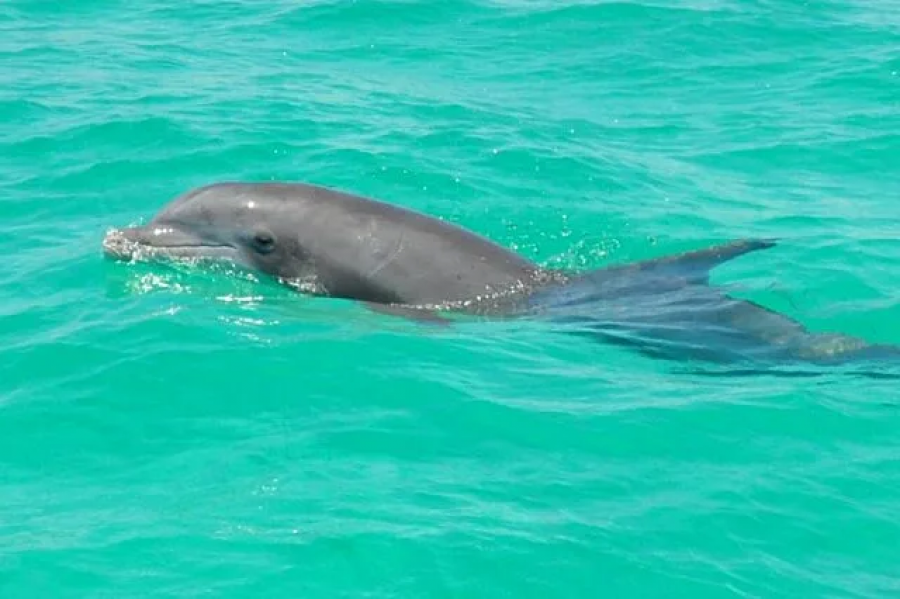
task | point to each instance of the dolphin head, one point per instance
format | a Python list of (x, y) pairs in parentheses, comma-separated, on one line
[(248, 226)]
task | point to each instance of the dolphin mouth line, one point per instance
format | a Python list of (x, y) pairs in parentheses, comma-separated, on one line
[(176, 246), (117, 245)]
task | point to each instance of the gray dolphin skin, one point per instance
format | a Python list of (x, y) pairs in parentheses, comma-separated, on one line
[(329, 243)]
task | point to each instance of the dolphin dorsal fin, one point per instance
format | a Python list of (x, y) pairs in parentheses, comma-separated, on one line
[(696, 265)]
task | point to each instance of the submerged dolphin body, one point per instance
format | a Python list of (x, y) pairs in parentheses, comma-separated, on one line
[(667, 308), (328, 243)]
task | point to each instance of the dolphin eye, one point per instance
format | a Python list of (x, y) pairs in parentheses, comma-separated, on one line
[(264, 242)]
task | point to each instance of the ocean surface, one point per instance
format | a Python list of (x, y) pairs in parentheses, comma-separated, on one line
[(180, 433)]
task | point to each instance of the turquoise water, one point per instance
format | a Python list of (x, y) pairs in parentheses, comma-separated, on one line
[(169, 433)]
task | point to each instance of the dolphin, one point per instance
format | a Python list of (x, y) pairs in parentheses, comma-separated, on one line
[(326, 242)]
